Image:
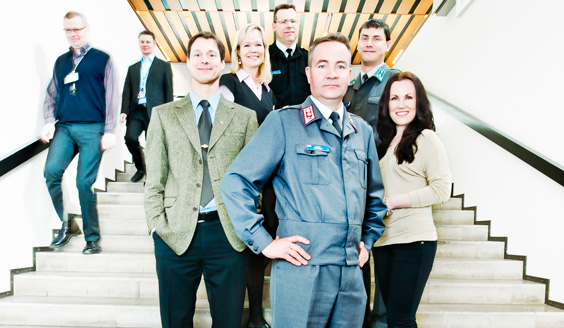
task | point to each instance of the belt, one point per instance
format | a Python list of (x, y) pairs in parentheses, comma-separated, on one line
[(208, 216)]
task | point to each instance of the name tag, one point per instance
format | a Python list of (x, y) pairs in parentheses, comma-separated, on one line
[(71, 77), (317, 148), (276, 72)]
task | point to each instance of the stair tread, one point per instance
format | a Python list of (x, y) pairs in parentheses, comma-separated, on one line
[(489, 308)]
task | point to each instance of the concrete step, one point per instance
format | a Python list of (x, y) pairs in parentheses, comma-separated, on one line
[(457, 217), (87, 284), (121, 198), (126, 176), (125, 187), (468, 291), (462, 232), (487, 315), (85, 311), (115, 243), (454, 203), (111, 211), (133, 227), (62, 261), (470, 249), (445, 268)]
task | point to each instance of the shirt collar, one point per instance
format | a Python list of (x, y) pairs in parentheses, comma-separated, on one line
[(372, 71), (149, 58), (242, 75), (213, 100), (283, 47), (326, 111), (83, 51)]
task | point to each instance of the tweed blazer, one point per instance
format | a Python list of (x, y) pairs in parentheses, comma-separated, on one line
[(175, 172)]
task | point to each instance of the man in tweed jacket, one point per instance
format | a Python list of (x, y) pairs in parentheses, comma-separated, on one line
[(192, 236)]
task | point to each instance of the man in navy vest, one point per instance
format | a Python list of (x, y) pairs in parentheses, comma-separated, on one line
[(80, 116)]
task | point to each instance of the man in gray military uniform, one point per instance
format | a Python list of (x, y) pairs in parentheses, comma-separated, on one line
[(329, 194)]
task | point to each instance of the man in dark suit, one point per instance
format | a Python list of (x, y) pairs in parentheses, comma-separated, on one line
[(148, 84), (287, 60), (364, 92), (190, 144), (363, 95)]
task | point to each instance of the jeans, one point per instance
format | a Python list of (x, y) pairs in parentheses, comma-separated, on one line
[(69, 140)]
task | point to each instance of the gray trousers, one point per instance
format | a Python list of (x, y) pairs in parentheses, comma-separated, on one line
[(316, 296)]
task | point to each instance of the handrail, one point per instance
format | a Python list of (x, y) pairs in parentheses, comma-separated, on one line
[(21, 156), (541, 163)]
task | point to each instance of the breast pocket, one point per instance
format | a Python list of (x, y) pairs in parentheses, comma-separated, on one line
[(362, 161), (313, 165)]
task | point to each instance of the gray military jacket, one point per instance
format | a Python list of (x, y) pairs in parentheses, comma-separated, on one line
[(329, 190)]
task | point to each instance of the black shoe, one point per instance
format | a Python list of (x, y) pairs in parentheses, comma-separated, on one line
[(138, 176), (252, 325), (63, 237), (91, 248)]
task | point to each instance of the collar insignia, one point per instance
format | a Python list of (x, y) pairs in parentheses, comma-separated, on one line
[(309, 114)]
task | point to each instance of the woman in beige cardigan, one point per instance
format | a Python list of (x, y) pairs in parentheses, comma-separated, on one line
[(416, 175)]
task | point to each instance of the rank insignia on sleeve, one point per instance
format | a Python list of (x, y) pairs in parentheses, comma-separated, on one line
[(352, 83), (309, 114)]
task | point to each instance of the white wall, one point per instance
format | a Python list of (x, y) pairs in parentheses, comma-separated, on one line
[(32, 42), (503, 66)]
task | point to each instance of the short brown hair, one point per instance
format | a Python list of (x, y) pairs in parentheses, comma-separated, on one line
[(283, 6), (147, 32), (336, 37), (207, 35), (73, 14)]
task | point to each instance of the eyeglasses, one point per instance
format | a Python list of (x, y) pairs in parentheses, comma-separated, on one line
[(286, 21), (73, 30)]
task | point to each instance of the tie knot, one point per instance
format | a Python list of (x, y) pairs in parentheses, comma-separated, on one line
[(205, 104), (334, 116), (289, 51), (364, 78)]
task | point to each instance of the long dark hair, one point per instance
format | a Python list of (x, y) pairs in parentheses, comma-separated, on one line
[(406, 149)]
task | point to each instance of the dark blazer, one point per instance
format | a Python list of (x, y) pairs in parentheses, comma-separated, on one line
[(159, 86), (175, 172)]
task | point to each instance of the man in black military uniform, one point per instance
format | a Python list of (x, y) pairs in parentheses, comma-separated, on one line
[(288, 61)]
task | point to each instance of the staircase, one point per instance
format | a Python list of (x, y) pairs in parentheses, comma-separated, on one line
[(471, 284)]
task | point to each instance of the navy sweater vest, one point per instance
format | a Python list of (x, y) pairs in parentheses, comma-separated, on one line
[(88, 105)]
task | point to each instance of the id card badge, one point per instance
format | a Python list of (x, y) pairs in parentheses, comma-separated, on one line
[(71, 77)]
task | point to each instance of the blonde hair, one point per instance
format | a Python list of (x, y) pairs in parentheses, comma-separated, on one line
[(263, 73)]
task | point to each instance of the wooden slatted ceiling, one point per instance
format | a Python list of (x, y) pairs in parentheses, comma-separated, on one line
[(175, 21)]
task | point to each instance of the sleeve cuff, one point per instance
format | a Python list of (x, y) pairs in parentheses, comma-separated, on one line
[(258, 241)]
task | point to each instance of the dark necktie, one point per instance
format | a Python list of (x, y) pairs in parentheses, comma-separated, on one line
[(289, 51), (364, 78), (204, 128), (336, 122)]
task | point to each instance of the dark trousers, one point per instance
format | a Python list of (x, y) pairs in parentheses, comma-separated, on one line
[(259, 262), (70, 140), (403, 270), (224, 271), (137, 123), (377, 317)]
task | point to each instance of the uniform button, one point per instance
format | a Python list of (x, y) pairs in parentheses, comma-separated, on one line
[(200, 161), (198, 185), (250, 243), (194, 209), (256, 249)]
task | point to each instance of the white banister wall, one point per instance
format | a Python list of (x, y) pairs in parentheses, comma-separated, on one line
[(502, 66), (35, 39)]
